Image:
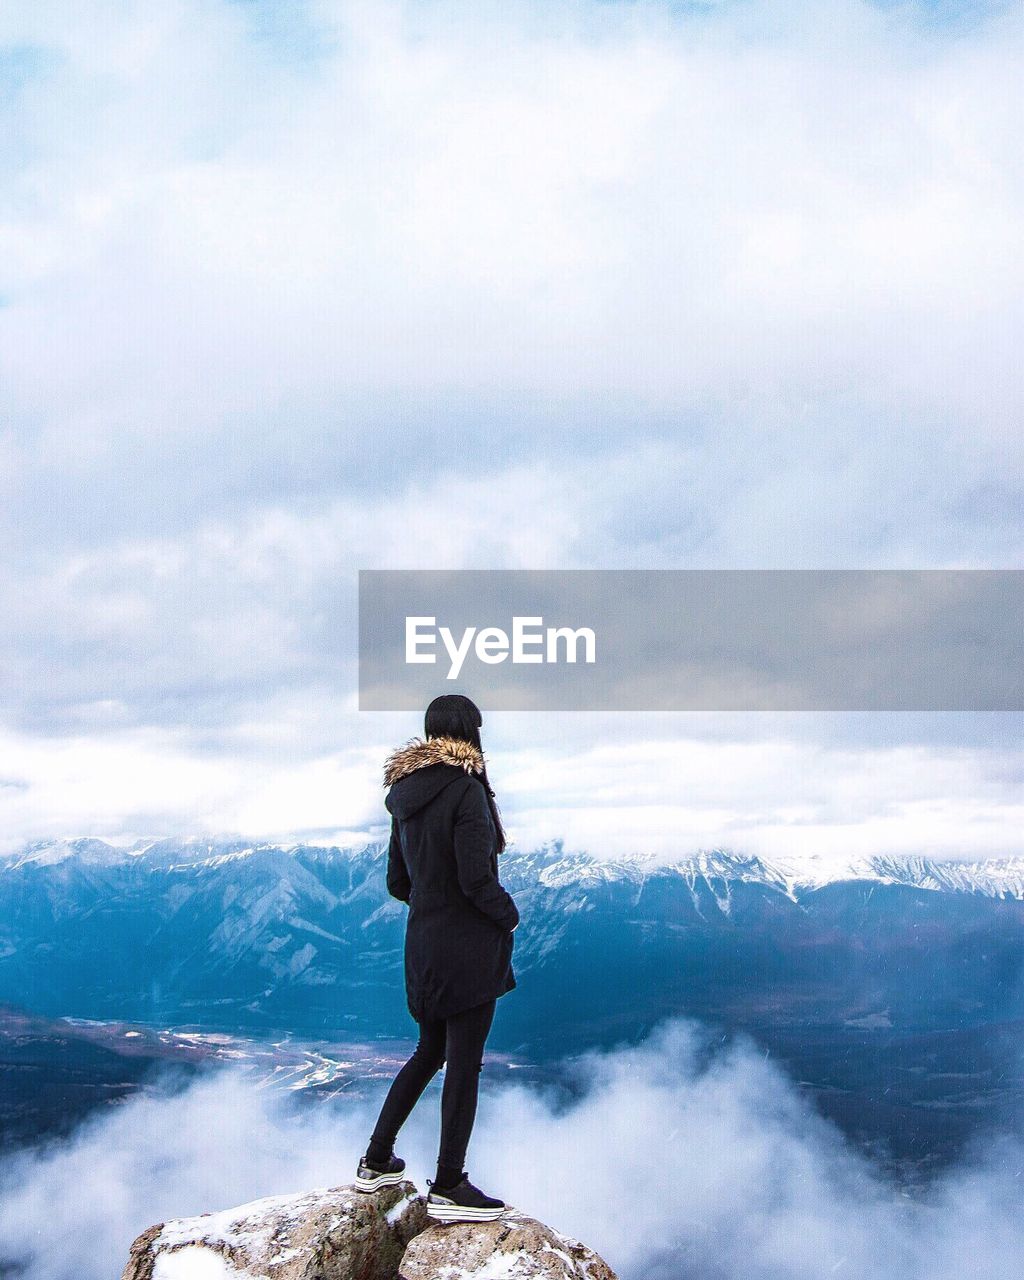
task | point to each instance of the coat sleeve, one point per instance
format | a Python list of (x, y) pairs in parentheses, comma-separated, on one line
[(474, 840), (398, 876)]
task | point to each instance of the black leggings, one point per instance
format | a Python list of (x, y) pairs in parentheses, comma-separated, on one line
[(459, 1041)]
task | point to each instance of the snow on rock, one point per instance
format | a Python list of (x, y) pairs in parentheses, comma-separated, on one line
[(513, 1247), (338, 1233), (194, 1262), (333, 1233)]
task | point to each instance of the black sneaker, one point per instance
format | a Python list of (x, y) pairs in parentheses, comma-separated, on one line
[(372, 1174), (462, 1203)]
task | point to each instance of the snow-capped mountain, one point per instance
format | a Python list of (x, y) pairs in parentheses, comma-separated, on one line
[(994, 877), (234, 934)]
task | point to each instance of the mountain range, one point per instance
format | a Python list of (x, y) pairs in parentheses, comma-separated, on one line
[(233, 935)]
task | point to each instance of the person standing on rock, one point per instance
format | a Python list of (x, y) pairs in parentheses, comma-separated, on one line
[(446, 835)]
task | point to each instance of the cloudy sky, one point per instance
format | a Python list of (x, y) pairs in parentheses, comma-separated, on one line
[(293, 290)]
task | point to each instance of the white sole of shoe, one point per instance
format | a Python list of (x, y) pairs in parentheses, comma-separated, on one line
[(458, 1213), (385, 1180)]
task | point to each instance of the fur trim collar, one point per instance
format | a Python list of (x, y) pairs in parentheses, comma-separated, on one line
[(417, 753)]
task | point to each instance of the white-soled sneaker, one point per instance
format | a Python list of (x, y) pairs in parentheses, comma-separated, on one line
[(462, 1203), (370, 1177)]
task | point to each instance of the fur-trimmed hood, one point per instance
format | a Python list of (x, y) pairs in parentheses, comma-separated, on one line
[(417, 753), (419, 771)]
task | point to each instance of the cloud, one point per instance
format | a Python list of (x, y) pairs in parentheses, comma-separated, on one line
[(714, 1165), (778, 793), (292, 291), (532, 230), (186, 631)]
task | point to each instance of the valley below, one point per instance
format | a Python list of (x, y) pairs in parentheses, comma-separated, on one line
[(890, 993)]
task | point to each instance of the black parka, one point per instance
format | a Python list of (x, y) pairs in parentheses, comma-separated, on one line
[(443, 862)]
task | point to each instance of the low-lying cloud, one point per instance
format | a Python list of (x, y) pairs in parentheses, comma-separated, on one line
[(672, 1165), (766, 789)]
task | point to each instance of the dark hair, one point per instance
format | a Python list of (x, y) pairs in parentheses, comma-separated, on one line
[(454, 716)]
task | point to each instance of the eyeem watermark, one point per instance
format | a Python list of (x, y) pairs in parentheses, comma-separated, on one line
[(530, 641), (694, 639)]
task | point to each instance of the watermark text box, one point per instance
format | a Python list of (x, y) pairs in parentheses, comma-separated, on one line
[(694, 640)]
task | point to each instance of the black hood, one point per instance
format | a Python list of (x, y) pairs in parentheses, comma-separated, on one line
[(419, 770), (410, 793)]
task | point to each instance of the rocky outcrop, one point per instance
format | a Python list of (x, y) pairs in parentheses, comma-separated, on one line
[(332, 1233), (337, 1233), (514, 1246)]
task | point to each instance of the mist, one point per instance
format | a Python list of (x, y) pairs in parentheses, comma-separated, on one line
[(673, 1160)]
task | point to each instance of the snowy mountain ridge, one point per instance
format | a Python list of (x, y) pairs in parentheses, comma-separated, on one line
[(230, 934), (554, 868)]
